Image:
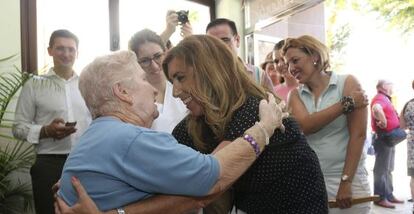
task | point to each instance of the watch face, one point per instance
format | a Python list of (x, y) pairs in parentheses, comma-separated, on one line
[(344, 177)]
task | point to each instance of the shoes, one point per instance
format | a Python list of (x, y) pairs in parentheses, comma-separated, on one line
[(396, 201), (410, 200), (385, 203)]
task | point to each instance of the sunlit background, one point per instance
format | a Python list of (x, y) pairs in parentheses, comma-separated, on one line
[(89, 20)]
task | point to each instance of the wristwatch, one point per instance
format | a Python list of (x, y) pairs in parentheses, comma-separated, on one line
[(120, 211), (345, 178)]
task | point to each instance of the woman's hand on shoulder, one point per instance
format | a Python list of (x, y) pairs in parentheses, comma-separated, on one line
[(271, 113), (353, 88), (360, 98)]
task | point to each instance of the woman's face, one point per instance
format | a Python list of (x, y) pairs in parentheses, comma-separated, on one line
[(182, 78), (299, 64), (279, 63), (143, 98), (273, 74), (150, 56)]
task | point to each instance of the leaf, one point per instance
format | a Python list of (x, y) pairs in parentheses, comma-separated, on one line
[(8, 58)]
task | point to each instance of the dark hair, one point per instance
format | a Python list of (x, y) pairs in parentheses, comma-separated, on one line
[(62, 33), (168, 45), (279, 45), (142, 37), (222, 21)]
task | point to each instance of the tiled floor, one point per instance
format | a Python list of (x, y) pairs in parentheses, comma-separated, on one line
[(401, 182)]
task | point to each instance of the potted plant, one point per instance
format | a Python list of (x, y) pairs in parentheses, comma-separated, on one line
[(15, 155)]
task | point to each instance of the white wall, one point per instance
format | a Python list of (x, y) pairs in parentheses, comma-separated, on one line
[(232, 9)]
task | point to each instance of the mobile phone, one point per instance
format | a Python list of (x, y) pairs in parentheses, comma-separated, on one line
[(70, 123)]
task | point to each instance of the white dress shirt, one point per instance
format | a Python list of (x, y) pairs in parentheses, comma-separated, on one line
[(43, 99), (171, 112)]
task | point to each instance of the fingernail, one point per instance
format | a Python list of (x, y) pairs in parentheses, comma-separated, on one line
[(74, 179)]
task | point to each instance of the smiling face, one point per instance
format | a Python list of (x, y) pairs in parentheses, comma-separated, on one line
[(64, 52), (225, 34), (150, 56), (279, 62), (300, 65), (182, 78)]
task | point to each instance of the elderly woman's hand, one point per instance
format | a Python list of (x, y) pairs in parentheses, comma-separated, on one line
[(85, 205), (271, 114)]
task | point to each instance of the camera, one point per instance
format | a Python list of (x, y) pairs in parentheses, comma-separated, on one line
[(182, 16)]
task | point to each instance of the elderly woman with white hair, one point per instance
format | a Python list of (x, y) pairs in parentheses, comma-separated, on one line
[(119, 160)]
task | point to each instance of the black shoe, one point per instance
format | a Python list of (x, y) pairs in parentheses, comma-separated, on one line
[(410, 200)]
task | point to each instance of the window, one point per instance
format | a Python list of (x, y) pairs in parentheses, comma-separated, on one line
[(90, 25), (96, 22)]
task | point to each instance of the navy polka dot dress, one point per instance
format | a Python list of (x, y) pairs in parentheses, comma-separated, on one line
[(285, 179)]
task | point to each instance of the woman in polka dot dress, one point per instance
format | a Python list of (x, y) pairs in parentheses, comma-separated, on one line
[(223, 102)]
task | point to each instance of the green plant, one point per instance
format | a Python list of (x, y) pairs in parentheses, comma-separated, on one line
[(15, 197), (15, 194)]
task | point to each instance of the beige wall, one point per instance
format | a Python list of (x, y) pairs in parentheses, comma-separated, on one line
[(10, 27), (10, 44), (9, 40)]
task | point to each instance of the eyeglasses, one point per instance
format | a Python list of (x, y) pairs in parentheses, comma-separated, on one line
[(146, 61)]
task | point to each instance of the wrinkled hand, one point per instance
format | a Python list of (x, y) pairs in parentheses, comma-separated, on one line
[(271, 114), (344, 195), (57, 129), (381, 124), (360, 98), (55, 188), (85, 205), (186, 30), (171, 20)]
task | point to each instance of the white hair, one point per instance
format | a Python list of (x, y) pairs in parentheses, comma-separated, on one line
[(98, 77)]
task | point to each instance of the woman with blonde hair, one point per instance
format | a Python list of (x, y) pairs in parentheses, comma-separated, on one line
[(331, 110), (223, 101)]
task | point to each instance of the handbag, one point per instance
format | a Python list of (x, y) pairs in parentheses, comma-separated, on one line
[(392, 137)]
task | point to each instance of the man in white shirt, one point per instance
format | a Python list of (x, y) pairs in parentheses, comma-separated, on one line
[(51, 114)]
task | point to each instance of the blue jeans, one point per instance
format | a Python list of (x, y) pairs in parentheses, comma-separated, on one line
[(384, 165)]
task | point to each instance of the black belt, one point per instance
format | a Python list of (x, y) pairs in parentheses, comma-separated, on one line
[(52, 155)]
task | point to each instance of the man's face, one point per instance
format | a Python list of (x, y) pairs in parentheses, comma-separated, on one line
[(388, 88), (224, 33), (64, 52)]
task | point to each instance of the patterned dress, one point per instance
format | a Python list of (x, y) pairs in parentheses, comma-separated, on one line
[(409, 120), (285, 179)]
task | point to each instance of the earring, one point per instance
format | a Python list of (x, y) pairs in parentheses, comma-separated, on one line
[(314, 63)]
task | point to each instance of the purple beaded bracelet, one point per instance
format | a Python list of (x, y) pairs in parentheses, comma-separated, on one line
[(253, 143)]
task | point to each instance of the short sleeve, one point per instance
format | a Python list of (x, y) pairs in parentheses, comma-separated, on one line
[(168, 167)]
